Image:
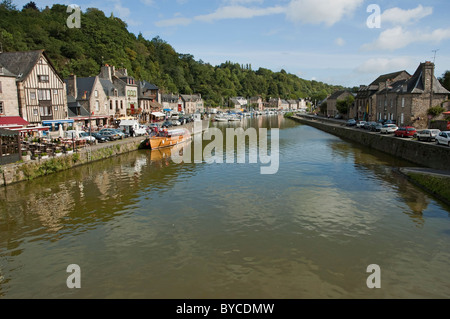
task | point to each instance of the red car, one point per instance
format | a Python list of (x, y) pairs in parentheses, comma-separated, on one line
[(405, 131)]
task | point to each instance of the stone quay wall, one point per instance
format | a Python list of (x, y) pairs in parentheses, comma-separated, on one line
[(422, 154)]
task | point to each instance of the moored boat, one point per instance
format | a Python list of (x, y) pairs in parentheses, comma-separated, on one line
[(166, 138)]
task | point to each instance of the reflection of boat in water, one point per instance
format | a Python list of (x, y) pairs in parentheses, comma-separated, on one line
[(167, 152), (221, 119), (166, 139)]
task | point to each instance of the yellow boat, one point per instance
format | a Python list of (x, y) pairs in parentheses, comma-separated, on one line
[(166, 138)]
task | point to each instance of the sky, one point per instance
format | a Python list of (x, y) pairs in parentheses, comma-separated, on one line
[(340, 42)]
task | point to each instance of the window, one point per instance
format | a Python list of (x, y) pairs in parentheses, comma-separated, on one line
[(96, 93), (97, 106), (46, 110), (1, 87), (403, 102), (56, 108), (1, 108), (33, 95), (110, 105), (402, 118), (43, 78), (55, 92), (35, 112), (44, 95)]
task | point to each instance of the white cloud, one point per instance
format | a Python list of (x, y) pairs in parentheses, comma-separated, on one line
[(148, 2), (340, 42), (328, 12), (173, 22), (398, 38), (383, 65), (397, 16), (239, 12)]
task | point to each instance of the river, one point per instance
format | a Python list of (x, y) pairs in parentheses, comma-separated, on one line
[(141, 226)]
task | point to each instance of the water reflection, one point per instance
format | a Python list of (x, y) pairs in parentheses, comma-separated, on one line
[(225, 231)]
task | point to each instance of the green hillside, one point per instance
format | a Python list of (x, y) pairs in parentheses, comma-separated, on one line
[(106, 40)]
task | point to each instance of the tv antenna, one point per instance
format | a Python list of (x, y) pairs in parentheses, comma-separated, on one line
[(434, 58)]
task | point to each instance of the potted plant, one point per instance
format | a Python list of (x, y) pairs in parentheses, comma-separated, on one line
[(35, 157), (44, 155), (58, 153), (25, 156), (69, 150)]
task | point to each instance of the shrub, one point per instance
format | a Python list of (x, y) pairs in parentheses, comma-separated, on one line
[(435, 110)]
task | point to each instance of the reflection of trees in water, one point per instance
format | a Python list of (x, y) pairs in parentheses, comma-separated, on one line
[(381, 166)]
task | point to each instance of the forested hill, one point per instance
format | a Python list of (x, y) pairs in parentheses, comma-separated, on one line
[(106, 40)]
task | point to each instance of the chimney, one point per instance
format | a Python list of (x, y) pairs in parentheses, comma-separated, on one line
[(107, 72), (427, 75), (72, 86)]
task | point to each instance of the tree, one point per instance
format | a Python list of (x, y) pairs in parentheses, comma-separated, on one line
[(31, 5), (445, 80), (344, 105)]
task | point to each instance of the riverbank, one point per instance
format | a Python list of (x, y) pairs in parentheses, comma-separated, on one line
[(422, 154), (434, 182), (29, 170)]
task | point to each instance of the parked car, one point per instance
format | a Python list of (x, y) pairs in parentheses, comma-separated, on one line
[(87, 137), (100, 138), (443, 138), (110, 135), (351, 122), (376, 127), (360, 124), (428, 135), (405, 131), (338, 116), (388, 129), (368, 125), (167, 124), (390, 122)]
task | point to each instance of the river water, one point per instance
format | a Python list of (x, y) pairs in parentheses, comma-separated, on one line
[(141, 226)]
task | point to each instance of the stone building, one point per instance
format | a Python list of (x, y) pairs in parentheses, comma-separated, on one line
[(148, 99), (193, 103), (366, 98), (87, 100), (407, 101), (9, 105), (332, 101)]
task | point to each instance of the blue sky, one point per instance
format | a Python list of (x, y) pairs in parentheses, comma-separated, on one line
[(324, 40)]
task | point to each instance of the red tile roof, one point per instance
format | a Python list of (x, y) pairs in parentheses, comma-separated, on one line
[(12, 120)]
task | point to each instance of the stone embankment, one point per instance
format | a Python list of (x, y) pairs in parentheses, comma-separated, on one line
[(23, 171)]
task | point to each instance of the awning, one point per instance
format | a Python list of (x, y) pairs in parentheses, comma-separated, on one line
[(158, 114), (13, 120), (8, 133), (57, 122)]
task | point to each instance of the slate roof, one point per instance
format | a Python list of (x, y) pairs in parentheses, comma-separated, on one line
[(21, 63), (416, 85), (5, 72), (337, 94), (83, 85)]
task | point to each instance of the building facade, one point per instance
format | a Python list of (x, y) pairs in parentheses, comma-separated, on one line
[(41, 91), (9, 105), (407, 101)]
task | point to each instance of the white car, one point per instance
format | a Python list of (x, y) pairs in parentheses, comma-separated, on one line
[(388, 129), (428, 135), (443, 138), (360, 124)]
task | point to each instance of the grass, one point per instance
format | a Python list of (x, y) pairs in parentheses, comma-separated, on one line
[(436, 185)]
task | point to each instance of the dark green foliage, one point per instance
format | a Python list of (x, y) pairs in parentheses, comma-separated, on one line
[(106, 40), (445, 80), (343, 105)]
